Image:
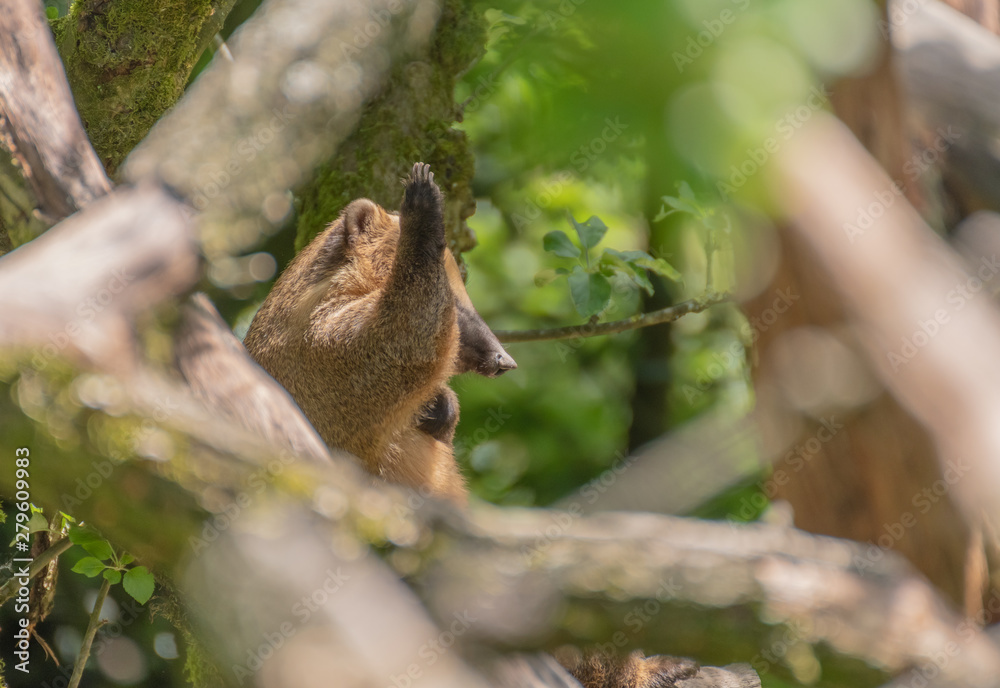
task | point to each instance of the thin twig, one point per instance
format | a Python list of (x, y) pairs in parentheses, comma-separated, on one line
[(88, 639), (49, 653), (39, 563), (663, 315)]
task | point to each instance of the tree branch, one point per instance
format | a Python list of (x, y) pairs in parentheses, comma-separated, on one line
[(664, 315), (128, 62), (88, 638), (950, 379), (137, 244), (426, 75), (39, 123), (224, 377), (38, 564)]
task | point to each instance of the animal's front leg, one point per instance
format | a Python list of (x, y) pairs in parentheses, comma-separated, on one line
[(439, 418)]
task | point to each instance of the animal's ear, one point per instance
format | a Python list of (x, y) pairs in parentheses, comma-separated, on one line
[(359, 216), (341, 237)]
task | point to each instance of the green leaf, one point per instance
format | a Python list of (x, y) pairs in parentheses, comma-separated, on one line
[(644, 260), (641, 280), (624, 262), (90, 541), (558, 243), (89, 566), (661, 267), (639, 261), (100, 549), (112, 576), (127, 559), (679, 204), (591, 292), (37, 522), (79, 535), (138, 583), (51, 12), (628, 256), (590, 232)]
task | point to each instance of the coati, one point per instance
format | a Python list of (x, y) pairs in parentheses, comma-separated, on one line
[(364, 329)]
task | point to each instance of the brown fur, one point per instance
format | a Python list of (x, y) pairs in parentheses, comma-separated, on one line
[(365, 328), (603, 670)]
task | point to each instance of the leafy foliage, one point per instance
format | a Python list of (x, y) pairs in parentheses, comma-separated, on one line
[(590, 280), (137, 581)]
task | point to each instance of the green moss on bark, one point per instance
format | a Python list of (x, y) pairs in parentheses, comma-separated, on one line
[(5, 242), (411, 120), (127, 62), (200, 669)]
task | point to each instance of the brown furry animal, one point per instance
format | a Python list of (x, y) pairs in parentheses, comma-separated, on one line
[(603, 670), (365, 328)]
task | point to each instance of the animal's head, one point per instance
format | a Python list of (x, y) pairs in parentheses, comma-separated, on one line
[(479, 350), (365, 236)]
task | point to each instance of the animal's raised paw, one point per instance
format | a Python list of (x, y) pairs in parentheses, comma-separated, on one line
[(421, 191), (421, 172)]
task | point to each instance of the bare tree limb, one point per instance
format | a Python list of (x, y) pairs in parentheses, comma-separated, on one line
[(93, 624), (864, 602), (137, 246), (39, 121), (224, 377), (930, 331), (950, 66)]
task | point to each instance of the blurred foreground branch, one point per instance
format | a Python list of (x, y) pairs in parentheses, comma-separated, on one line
[(930, 333), (929, 328)]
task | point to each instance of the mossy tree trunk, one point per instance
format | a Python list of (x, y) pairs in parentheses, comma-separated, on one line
[(411, 120), (127, 63)]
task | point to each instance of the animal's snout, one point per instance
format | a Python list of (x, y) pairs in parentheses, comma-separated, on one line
[(504, 362)]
